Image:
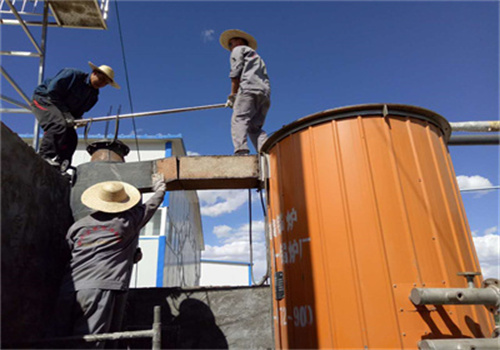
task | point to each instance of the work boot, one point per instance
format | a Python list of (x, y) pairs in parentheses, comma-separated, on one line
[(242, 152)]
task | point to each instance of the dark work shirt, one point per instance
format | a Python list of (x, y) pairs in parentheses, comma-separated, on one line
[(70, 91)]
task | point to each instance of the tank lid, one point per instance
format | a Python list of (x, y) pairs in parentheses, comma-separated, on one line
[(359, 110)]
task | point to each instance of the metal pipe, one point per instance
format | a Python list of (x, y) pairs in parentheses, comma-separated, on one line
[(14, 22), (476, 126), (19, 53), (488, 139), (14, 110), (82, 122), (460, 344), (157, 328), (448, 296), (14, 85), (15, 102), (23, 25), (41, 70)]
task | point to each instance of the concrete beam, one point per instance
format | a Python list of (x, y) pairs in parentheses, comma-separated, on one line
[(210, 172)]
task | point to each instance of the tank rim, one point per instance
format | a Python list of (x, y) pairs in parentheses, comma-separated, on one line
[(383, 109)]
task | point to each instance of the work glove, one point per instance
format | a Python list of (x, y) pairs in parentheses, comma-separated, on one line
[(137, 255), (159, 182), (230, 101), (70, 120)]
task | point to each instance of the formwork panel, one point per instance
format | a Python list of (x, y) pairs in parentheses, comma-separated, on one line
[(364, 206)]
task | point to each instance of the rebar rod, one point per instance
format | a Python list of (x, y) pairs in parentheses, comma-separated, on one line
[(82, 122)]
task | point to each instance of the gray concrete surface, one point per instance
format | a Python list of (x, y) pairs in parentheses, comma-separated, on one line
[(34, 219), (204, 318)]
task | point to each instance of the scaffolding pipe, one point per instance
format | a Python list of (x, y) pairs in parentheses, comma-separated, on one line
[(468, 140), (447, 296), (476, 126), (15, 102), (14, 85), (460, 344), (23, 25), (41, 70), (82, 122)]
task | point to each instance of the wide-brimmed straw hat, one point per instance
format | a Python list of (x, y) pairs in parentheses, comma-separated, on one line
[(111, 196), (236, 33), (107, 71)]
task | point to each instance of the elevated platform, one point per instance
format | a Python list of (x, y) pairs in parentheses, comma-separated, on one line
[(87, 14)]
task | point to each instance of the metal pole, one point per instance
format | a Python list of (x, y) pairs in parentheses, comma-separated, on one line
[(82, 122), (157, 328), (41, 69), (14, 85), (475, 126), (459, 344), (23, 25), (453, 296), (486, 139)]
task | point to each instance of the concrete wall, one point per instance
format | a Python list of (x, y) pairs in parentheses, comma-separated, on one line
[(204, 318), (34, 219)]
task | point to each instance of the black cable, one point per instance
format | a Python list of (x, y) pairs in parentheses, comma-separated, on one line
[(126, 78)]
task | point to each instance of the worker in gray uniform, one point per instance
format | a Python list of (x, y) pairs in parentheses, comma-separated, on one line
[(250, 90), (103, 248)]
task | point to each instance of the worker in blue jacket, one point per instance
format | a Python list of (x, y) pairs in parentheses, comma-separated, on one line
[(58, 101)]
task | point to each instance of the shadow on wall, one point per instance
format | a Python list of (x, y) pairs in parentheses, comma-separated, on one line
[(194, 327), (34, 219)]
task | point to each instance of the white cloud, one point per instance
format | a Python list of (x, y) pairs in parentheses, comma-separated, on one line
[(234, 246), (216, 203), (207, 35), (475, 181), (191, 153), (488, 251), (491, 230)]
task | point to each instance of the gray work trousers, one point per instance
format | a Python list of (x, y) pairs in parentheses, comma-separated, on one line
[(249, 115), (89, 311)]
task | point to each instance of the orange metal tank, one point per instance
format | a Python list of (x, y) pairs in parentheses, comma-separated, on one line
[(363, 207)]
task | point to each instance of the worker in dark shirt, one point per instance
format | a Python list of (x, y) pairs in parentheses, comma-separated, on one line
[(103, 249), (58, 101)]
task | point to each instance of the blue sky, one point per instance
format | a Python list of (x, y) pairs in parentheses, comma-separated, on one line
[(443, 56)]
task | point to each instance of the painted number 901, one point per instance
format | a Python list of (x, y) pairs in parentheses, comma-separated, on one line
[(302, 316)]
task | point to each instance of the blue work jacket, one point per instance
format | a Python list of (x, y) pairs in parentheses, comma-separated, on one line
[(70, 91)]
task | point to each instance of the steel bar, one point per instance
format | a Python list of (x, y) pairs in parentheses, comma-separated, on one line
[(15, 102), (467, 140), (14, 110), (476, 126), (489, 188), (15, 22), (19, 53), (14, 85), (157, 328), (23, 25), (460, 344), (450, 296), (82, 122), (41, 70)]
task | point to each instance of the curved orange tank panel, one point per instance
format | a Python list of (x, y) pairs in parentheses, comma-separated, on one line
[(363, 207)]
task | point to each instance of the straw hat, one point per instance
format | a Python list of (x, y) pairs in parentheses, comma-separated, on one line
[(236, 33), (107, 71), (111, 196)]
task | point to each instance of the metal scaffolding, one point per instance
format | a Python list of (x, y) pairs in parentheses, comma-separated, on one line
[(68, 14)]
